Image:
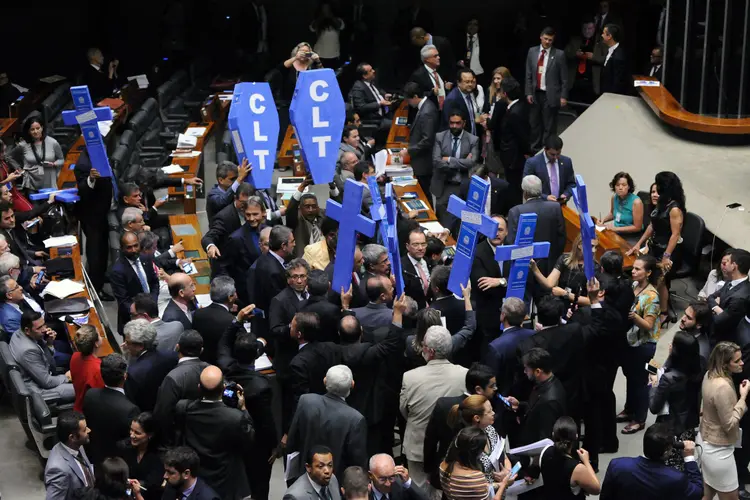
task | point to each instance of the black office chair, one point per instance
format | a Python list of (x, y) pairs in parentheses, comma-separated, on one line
[(693, 228), (34, 414)]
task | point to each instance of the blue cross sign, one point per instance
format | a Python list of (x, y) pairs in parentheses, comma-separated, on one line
[(473, 221), (317, 114), (254, 127), (391, 236), (351, 222), (64, 195), (521, 254), (588, 229), (87, 116)]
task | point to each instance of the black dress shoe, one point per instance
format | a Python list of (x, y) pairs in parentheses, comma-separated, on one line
[(743, 493), (609, 449), (104, 296)]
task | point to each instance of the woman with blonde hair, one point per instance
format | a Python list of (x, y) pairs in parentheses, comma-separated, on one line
[(720, 425), (476, 411), (567, 280), (492, 98), (302, 58)]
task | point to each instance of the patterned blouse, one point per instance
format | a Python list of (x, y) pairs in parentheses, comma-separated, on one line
[(494, 440), (646, 304)]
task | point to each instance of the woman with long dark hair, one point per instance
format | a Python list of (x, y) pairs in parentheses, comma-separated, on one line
[(664, 235), (328, 27), (566, 469), (675, 392), (461, 475), (38, 155), (642, 338), (141, 453), (112, 482)]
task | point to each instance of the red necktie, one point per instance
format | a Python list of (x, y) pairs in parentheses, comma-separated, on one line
[(441, 98), (539, 69), (582, 62)]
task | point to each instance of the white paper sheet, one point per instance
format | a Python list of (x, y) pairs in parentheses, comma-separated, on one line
[(380, 159), (186, 141), (263, 363), (646, 83), (188, 154), (195, 131), (61, 241), (531, 449), (204, 300), (62, 289), (172, 169), (433, 227), (291, 461)]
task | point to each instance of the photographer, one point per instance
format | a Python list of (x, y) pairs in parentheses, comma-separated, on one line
[(221, 435), (302, 59)]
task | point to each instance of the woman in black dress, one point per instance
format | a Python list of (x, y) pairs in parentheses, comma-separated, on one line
[(664, 235), (142, 456), (566, 469), (112, 482)]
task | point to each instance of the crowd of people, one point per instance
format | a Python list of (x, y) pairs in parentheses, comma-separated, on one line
[(453, 383)]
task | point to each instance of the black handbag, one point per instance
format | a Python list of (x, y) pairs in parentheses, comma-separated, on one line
[(66, 307)]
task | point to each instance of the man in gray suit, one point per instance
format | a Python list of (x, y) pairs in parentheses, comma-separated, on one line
[(420, 390), (68, 467), (167, 334), (328, 420), (350, 143), (30, 347), (319, 483), (422, 136), (455, 152), (546, 87), (550, 224)]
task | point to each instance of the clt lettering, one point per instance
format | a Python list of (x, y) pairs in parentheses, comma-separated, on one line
[(320, 97), (259, 109)]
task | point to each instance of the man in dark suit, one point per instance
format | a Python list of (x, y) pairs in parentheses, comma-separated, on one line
[(213, 320), (546, 87), (499, 195), (181, 382), (392, 482), (225, 222), (489, 280), (359, 35), (132, 274), (655, 68), (228, 179), (447, 63), (376, 313), (304, 216), (415, 269), (368, 101), (183, 303), (422, 136), (455, 152), (243, 246), (554, 170), (148, 367), (648, 477), (451, 308), (132, 196), (511, 134), (181, 466), (329, 421), (100, 84), (16, 237), (281, 313), (615, 78), (550, 225), (270, 274), (470, 55), (430, 79), (461, 100), (258, 399), (546, 403), (328, 313), (108, 412), (221, 435), (729, 302), (92, 210), (500, 354)]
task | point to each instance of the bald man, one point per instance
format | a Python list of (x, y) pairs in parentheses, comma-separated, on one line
[(183, 303), (222, 435), (132, 274), (390, 481)]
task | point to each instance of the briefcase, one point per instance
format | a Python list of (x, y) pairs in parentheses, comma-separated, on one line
[(60, 267), (66, 307)]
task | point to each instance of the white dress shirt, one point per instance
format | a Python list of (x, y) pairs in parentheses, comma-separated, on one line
[(474, 63), (376, 94), (439, 83), (543, 78), (421, 263), (609, 52), (75, 453), (654, 69), (281, 261)]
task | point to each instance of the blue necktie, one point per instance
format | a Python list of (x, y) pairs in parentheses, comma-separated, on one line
[(141, 276), (471, 114)]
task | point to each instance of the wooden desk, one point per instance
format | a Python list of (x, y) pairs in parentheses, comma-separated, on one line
[(666, 107), (191, 168), (398, 137), (194, 250), (431, 217), (285, 158), (608, 240), (106, 347), (7, 126)]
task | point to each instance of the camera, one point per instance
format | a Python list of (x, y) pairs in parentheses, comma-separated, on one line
[(231, 396)]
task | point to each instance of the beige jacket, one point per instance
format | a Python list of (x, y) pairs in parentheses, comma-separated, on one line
[(722, 412), (317, 255)]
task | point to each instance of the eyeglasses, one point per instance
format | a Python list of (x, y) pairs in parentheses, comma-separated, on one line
[(386, 479), (298, 277), (418, 245)]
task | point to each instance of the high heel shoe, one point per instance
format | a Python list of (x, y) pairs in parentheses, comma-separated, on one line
[(666, 319)]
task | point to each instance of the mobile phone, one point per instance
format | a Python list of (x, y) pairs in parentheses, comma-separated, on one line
[(734, 205), (401, 120), (515, 469), (39, 278), (505, 400), (259, 313), (651, 369)]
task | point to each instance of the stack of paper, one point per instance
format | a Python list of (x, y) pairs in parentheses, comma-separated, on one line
[(61, 241), (263, 363), (52, 79), (404, 181), (380, 159), (398, 170), (184, 154), (172, 169), (225, 97), (195, 131), (140, 80), (62, 289), (433, 227), (186, 141)]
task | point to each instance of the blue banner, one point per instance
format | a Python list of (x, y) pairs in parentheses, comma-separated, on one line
[(588, 229), (254, 127), (521, 254), (318, 113)]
